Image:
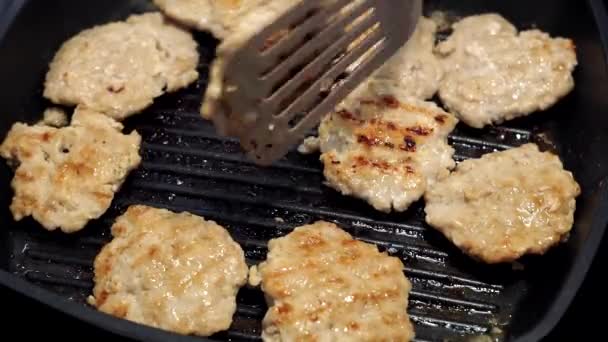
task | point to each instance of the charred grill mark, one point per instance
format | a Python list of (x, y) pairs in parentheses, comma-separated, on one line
[(345, 114), (46, 136), (409, 144), (367, 102), (115, 89), (102, 298), (390, 101), (361, 161), (387, 101), (153, 252), (362, 139), (284, 309), (348, 115), (332, 160), (441, 118), (373, 141), (420, 130)]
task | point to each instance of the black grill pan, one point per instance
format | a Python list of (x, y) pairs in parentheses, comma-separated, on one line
[(187, 167)]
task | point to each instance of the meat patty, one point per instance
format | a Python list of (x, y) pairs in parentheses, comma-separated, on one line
[(215, 16), (174, 271), (322, 285), (67, 176), (505, 204), (415, 69), (119, 68), (494, 74), (386, 149)]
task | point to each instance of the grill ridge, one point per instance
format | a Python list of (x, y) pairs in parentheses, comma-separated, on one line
[(225, 157), (248, 179)]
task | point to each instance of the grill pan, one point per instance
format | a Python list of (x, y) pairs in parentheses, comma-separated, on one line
[(187, 167)]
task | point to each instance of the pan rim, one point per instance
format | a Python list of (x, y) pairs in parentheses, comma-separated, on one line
[(129, 329)]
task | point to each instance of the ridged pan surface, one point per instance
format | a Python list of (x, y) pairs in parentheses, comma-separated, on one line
[(187, 167)]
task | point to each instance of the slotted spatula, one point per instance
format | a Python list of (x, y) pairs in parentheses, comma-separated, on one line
[(282, 81)]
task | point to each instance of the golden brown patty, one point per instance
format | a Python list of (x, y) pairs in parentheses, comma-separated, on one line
[(505, 204), (322, 285), (386, 149), (68, 176), (173, 271), (119, 68)]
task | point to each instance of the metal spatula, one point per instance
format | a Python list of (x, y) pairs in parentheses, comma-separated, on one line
[(281, 82)]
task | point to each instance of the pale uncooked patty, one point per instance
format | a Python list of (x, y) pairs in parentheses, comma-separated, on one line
[(174, 271), (322, 285), (494, 74), (215, 16), (386, 149), (119, 68), (68, 176), (505, 204), (415, 69)]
